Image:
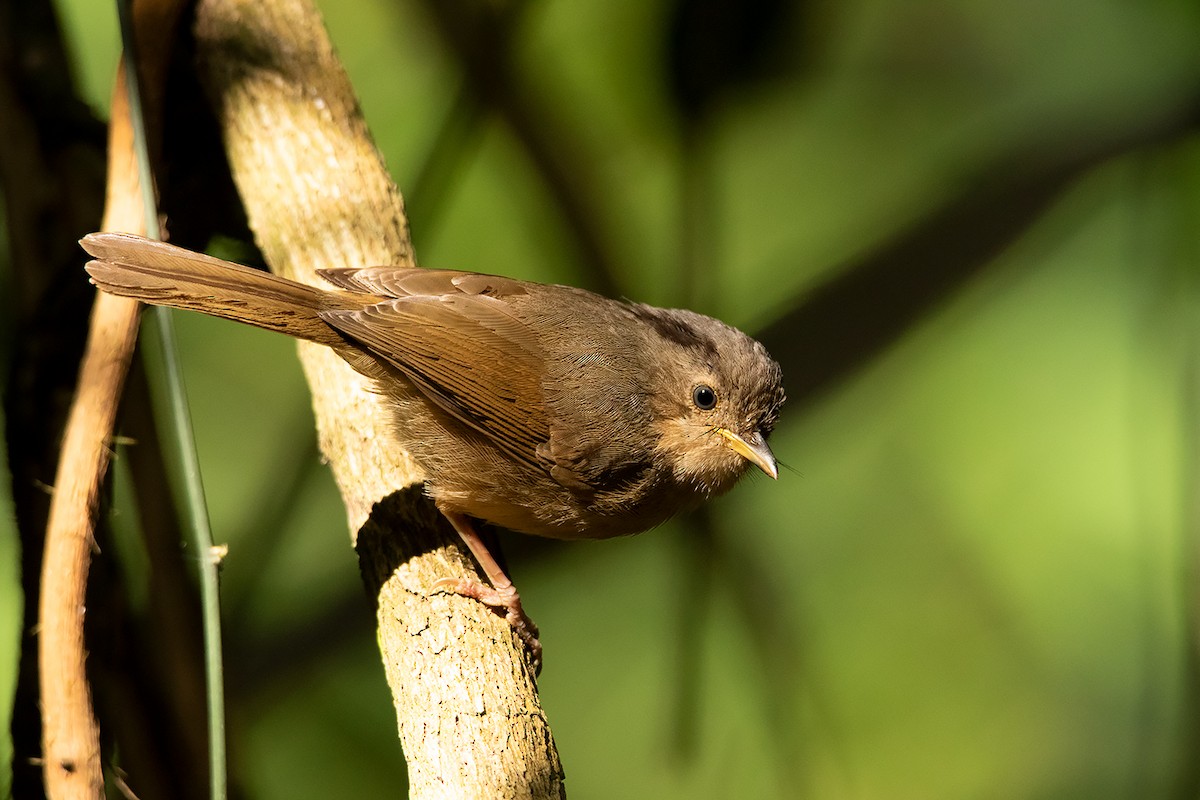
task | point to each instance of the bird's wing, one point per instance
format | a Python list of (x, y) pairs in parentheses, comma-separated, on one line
[(419, 282), (454, 336)]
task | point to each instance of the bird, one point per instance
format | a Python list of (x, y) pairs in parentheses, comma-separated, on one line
[(543, 409)]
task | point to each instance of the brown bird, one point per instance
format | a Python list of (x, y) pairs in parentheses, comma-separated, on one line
[(544, 409)]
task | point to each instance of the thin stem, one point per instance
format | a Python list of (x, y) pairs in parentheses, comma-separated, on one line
[(175, 421)]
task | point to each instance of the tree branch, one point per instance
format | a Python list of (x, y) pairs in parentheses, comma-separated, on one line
[(317, 194)]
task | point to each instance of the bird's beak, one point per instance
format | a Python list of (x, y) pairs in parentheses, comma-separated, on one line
[(753, 449)]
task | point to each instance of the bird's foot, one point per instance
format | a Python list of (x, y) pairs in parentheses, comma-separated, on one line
[(505, 597)]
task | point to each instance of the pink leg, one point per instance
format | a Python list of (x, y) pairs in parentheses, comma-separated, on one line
[(501, 594)]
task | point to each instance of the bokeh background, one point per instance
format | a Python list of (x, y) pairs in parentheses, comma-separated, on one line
[(970, 230)]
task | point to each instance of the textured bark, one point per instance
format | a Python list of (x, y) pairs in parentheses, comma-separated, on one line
[(317, 194)]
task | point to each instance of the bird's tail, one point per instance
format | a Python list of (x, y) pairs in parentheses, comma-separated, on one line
[(162, 274)]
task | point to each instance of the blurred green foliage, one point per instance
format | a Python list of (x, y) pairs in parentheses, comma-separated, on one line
[(978, 579)]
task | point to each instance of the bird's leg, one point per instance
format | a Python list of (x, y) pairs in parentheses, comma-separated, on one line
[(501, 594)]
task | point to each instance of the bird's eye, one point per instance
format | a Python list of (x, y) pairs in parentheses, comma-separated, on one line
[(704, 397)]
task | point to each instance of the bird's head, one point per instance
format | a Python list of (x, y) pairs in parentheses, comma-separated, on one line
[(717, 398)]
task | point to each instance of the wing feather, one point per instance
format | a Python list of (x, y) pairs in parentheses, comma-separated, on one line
[(468, 353), (420, 282)]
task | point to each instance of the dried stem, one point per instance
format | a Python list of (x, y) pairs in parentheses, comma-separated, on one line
[(70, 734)]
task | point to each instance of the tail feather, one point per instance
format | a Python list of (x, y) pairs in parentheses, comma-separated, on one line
[(162, 274)]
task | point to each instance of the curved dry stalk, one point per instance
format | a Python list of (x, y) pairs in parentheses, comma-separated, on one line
[(70, 734)]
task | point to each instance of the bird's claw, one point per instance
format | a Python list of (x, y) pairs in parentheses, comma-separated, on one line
[(505, 598)]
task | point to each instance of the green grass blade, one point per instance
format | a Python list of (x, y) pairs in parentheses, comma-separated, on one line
[(174, 421)]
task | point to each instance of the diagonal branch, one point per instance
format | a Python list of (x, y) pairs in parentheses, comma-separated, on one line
[(317, 194), (843, 324)]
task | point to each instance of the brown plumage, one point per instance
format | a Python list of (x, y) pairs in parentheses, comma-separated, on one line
[(544, 409)]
